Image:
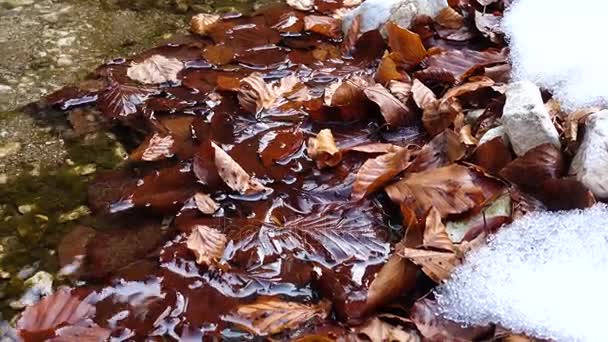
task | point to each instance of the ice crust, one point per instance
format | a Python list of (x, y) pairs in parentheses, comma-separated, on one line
[(544, 275), (560, 45)]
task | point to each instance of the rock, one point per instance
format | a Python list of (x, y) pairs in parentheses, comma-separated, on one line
[(38, 286), (495, 133), (4, 88), (10, 4), (590, 164), (375, 13), (526, 119), (64, 61)]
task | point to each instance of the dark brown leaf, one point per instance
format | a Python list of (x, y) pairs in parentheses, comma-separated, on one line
[(350, 40), (397, 276), (462, 63), (218, 54), (121, 101), (566, 194), (444, 149), (492, 155), (234, 175), (536, 166), (395, 112)]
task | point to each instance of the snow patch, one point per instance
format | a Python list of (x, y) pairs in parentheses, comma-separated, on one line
[(560, 45), (544, 275)]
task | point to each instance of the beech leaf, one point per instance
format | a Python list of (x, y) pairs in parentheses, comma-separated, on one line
[(435, 233), (234, 175), (460, 64), (155, 69), (378, 330), (436, 265), (423, 96), (448, 17), (202, 23), (323, 149), (120, 100), (302, 5), (256, 95), (83, 334), (533, 168), (156, 147), (444, 149), (376, 172), (396, 277), (268, 316), (401, 90), (207, 244), (323, 25), (405, 44), (394, 111), (205, 203)]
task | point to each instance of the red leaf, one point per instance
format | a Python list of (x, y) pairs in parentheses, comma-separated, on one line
[(120, 100), (405, 44), (493, 155), (536, 166)]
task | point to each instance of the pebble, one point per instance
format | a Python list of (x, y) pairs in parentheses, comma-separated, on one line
[(64, 61), (9, 148), (590, 164)]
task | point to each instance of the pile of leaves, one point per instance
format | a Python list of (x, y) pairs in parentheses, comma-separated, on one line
[(289, 181)]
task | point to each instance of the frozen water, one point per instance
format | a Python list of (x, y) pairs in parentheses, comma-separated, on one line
[(560, 45), (544, 275)]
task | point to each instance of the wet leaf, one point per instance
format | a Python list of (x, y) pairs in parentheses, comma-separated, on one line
[(468, 87), (460, 64), (234, 175), (566, 194), (441, 116), (156, 147), (401, 90), (207, 244), (326, 26), (493, 155), (377, 330), (205, 203), (350, 40), (375, 173), (202, 23), (346, 93), (423, 96), (444, 149), (533, 168), (302, 5), (256, 95), (284, 143), (268, 316), (489, 25), (323, 149), (375, 148), (54, 310), (436, 265), (448, 17), (406, 45), (155, 69), (396, 277), (120, 100), (450, 189), (435, 233), (388, 71), (218, 54), (83, 334), (394, 112)]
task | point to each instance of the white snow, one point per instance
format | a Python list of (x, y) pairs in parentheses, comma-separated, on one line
[(560, 45), (544, 275)]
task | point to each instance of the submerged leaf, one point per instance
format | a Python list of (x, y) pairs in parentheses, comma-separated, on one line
[(155, 69), (234, 175), (256, 95), (323, 149), (156, 147), (207, 244), (120, 100), (268, 316), (205, 203)]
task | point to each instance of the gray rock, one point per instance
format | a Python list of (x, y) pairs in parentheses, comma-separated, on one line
[(590, 165), (526, 119), (4, 88), (495, 133), (63, 61), (10, 4), (375, 13)]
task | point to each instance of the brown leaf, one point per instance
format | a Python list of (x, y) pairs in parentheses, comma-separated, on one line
[(350, 40), (219, 54), (256, 95), (460, 64), (327, 26), (234, 175), (207, 244), (423, 96), (302, 5), (377, 330), (348, 96), (468, 87), (120, 101), (436, 119), (202, 23), (82, 334), (376, 172), (444, 149), (401, 90), (500, 73), (375, 148), (575, 119), (448, 17), (436, 265), (489, 25), (396, 277), (429, 321), (450, 189), (435, 234), (533, 168), (566, 194), (54, 310), (284, 144), (323, 149), (388, 71), (156, 147), (394, 112), (268, 316), (492, 155), (405, 44), (205, 203), (155, 69)]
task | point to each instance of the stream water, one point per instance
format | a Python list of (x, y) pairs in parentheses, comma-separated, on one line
[(44, 167)]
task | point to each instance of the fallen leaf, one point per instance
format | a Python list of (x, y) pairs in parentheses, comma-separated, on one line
[(284, 143), (436, 119), (406, 45), (489, 25), (376, 172), (323, 149), (323, 25), (492, 155), (444, 149), (53, 311), (396, 277), (566, 194), (377, 330), (84, 334), (154, 148), (401, 90), (388, 71), (346, 93), (423, 96), (219, 54), (374, 148), (256, 95), (459, 64), (468, 87), (202, 23), (302, 5), (155, 69), (575, 119), (120, 100), (435, 233), (533, 168), (205, 203), (350, 40), (234, 175), (448, 17), (207, 244), (436, 265), (268, 316), (450, 189), (395, 113)]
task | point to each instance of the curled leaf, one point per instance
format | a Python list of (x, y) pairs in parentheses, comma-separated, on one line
[(423, 96), (405, 44), (395, 278), (207, 244), (327, 26), (376, 172), (377, 330), (388, 71), (205, 203), (268, 316), (202, 23), (234, 175), (436, 265), (155, 69), (448, 17), (323, 149), (435, 233), (394, 111), (533, 168), (459, 64)]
